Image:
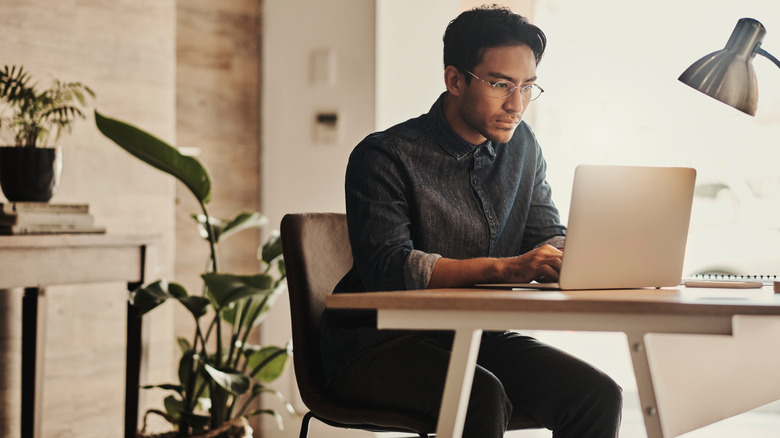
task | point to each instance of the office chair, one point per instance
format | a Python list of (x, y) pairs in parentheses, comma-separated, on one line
[(317, 254)]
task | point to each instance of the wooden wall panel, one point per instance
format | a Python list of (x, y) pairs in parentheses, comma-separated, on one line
[(217, 109), (127, 50)]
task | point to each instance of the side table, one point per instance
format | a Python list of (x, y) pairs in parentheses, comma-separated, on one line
[(33, 262)]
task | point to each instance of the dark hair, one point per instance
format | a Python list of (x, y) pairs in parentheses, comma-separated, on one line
[(472, 32)]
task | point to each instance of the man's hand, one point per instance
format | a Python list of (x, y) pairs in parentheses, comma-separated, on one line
[(542, 264)]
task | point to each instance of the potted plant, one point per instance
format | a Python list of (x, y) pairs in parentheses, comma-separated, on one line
[(30, 167), (220, 371)]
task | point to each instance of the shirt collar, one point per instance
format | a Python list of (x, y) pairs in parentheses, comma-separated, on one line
[(448, 139)]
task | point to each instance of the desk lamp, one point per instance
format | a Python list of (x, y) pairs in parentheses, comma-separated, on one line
[(728, 75)]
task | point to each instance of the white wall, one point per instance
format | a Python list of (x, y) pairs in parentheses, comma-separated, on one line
[(409, 64), (300, 174), (612, 97)]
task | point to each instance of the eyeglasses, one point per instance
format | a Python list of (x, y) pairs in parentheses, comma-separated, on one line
[(505, 89)]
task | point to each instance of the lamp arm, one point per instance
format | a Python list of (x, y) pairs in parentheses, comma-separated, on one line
[(767, 55)]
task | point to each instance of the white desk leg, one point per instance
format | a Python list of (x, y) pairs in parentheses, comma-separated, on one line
[(644, 383), (701, 379), (457, 388)]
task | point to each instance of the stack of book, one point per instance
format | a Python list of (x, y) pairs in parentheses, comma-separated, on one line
[(46, 218)]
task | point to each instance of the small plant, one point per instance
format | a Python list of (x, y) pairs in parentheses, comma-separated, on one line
[(220, 372), (31, 116)]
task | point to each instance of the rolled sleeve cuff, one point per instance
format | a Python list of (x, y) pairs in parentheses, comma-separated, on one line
[(419, 268), (556, 241)]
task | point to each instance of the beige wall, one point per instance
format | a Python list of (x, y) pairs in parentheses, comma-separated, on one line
[(299, 172)]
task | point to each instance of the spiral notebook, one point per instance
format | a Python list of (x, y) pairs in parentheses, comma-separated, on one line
[(627, 229)]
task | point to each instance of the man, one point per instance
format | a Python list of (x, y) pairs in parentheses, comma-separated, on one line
[(455, 197)]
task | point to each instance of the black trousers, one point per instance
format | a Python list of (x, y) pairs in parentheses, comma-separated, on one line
[(514, 372)]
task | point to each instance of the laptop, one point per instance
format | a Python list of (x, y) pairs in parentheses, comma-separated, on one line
[(627, 229)]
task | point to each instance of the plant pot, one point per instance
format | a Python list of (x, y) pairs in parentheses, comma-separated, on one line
[(30, 174), (237, 428)]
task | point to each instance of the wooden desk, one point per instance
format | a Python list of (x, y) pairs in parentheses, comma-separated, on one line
[(699, 355), (33, 262)]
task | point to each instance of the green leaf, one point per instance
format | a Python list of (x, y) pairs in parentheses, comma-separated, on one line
[(184, 344), (159, 154), (255, 308), (176, 290), (186, 365), (224, 289), (243, 221), (260, 389), (268, 363), (271, 412), (232, 381), (198, 306), (272, 248), (166, 386), (223, 229), (146, 298), (173, 406), (217, 225)]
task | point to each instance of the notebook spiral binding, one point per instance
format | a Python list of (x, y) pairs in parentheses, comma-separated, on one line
[(767, 279)]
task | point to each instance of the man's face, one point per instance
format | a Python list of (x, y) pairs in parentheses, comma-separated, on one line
[(486, 116)]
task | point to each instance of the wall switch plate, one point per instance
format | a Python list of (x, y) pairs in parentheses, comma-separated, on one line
[(326, 128)]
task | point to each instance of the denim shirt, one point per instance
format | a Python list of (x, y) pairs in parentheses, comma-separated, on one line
[(418, 192)]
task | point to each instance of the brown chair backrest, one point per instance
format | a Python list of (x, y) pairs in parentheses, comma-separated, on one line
[(317, 254)]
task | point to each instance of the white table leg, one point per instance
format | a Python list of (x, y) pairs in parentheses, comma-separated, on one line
[(701, 379), (457, 388), (644, 383)]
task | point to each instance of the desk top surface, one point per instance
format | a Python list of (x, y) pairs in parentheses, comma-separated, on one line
[(681, 300)]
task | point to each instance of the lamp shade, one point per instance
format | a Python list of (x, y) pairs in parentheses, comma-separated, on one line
[(728, 75)]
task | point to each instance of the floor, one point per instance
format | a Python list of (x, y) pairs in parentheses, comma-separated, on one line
[(609, 352), (761, 423)]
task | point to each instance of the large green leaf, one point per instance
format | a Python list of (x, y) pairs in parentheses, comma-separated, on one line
[(233, 381), (198, 306), (159, 154), (271, 412), (167, 386), (186, 365), (256, 309), (223, 229), (268, 363), (224, 289), (216, 223), (146, 298), (258, 389), (272, 248), (173, 406)]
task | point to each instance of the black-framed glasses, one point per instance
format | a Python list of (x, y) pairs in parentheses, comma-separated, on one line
[(503, 89)]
